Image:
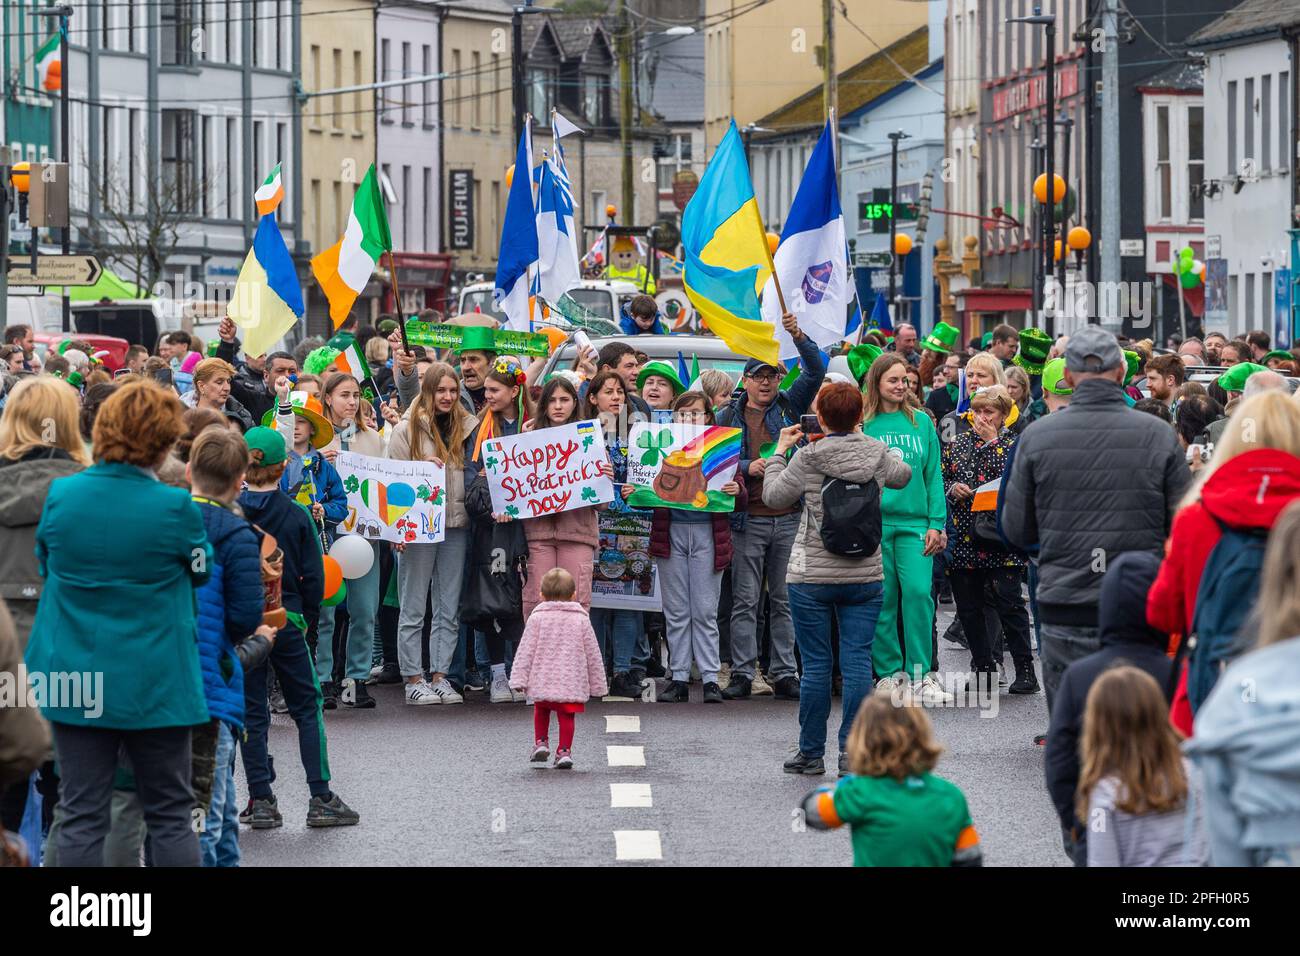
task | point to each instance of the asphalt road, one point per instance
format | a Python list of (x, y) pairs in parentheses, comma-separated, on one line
[(451, 785)]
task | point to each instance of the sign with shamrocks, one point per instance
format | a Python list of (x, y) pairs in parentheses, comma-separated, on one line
[(392, 500), (682, 466), (547, 470)]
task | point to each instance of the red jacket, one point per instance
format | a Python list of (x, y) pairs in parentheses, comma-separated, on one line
[(1248, 491), (722, 546)]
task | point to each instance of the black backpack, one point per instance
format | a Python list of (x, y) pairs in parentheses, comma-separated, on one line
[(850, 524)]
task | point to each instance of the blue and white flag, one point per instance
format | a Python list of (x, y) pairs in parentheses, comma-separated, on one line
[(517, 256), (880, 317), (557, 240), (812, 259)]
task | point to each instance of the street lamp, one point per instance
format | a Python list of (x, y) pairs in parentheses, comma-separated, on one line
[(1049, 223), (63, 11), (893, 216)]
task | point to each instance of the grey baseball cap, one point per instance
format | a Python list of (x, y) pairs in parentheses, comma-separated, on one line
[(1092, 349)]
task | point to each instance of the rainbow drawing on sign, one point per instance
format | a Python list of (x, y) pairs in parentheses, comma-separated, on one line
[(389, 501), (718, 448)]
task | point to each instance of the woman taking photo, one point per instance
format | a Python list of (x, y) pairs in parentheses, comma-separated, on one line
[(912, 521), (212, 390), (618, 630), (435, 429), (567, 539), (341, 401), (498, 547), (692, 549), (122, 606), (821, 582), (980, 565)]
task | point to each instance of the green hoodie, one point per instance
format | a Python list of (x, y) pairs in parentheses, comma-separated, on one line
[(921, 503)]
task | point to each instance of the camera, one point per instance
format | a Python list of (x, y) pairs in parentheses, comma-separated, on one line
[(1198, 453)]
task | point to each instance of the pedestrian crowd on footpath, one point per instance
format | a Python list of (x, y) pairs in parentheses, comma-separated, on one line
[(1110, 534)]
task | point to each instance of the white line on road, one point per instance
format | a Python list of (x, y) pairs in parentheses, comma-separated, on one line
[(630, 795), (618, 724), (637, 845), (625, 756)]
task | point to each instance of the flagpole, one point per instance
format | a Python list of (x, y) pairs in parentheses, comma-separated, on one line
[(835, 161), (776, 281), (397, 300)]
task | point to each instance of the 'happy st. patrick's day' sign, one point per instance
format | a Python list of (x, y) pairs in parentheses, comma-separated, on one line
[(682, 466), (390, 500), (547, 471)]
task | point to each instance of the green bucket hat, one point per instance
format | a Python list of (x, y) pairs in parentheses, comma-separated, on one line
[(477, 338), (1054, 378), (942, 338), (663, 370), (860, 358), (1133, 361), (1234, 379), (1035, 345), (268, 441)]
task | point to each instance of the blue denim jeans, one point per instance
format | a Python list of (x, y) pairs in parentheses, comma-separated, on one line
[(857, 606), (219, 841), (619, 632)]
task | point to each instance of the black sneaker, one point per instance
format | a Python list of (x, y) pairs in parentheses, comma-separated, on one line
[(655, 668), (955, 635), (329, 699), (712, 693), (263, 814), (676, 692), (391, 674), (1026, 681), (945, 594), (738, 689), (787, 688), (623, 686), (844, 765), (331, 813), (360, 698), (636, 675), (802, 763)]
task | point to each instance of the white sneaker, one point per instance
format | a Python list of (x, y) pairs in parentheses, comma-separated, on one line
[(930, 691), (419, 692), (887, 685), (446, 693), (759, 687), (501, 692), (519, 697)]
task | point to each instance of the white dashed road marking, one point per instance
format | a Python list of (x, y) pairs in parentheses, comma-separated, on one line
[(630, 795), (637, 845), (625, 756), (617, 724)]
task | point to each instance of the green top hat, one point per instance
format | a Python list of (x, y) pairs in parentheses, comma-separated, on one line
[(942, 338), (663, 370), (1054, 378), (1282, 354), (860, 358), (477, 338), (1035, 345), (1133, 360), (1234, 379)]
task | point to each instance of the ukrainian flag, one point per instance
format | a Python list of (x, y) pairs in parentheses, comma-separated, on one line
[(727, 260)]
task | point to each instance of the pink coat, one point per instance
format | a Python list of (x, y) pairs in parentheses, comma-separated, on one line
[(558, 659)]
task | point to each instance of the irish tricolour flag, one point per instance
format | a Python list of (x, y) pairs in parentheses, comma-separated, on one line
[(353, 361), (345, 267), (270, 193), (48, 65)]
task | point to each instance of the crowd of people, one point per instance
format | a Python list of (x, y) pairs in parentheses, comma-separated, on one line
[(1079, 501)]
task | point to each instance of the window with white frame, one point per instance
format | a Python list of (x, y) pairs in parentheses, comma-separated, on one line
[(1174, 144)]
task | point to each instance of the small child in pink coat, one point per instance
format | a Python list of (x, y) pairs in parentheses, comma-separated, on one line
[(558, 664)]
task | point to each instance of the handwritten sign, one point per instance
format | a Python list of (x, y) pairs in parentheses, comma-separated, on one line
[(682, 466), (624, 575), (507, 341), (547, 471), (390, 500)]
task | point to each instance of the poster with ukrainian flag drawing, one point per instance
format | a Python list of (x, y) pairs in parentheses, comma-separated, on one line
[(389, 500), (682, 466)]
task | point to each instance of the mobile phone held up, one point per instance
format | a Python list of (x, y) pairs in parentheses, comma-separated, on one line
[(809, 425)]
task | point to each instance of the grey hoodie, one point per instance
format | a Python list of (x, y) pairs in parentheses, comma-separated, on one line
[(854, 457), (1247, 744)]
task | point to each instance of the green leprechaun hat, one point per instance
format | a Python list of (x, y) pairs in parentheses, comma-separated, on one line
[(1035, 346), (942, 338), (1133, 362), (477, 338), (860, 358), (663, 370)]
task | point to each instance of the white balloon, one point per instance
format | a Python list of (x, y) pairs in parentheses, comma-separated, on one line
[(354, 555)]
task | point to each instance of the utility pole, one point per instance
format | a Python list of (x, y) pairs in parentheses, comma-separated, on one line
[(517, 69), (893, 219), (1110, 210), (830, 85), (625, 108), (63, 11)]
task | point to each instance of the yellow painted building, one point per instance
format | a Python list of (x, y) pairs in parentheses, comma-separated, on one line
[(766, 57)]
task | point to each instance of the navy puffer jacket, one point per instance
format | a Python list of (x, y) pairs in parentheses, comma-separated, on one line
[(230, 609)]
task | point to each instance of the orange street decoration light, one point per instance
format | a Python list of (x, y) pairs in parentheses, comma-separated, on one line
[(1040, 188), (902, 244), (1078, 238)]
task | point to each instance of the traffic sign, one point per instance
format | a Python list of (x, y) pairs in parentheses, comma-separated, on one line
[(56, 270), (878, 260)]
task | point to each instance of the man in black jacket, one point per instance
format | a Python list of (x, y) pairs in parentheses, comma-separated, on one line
[(253, 386), (1125, 639), (1089, 483)]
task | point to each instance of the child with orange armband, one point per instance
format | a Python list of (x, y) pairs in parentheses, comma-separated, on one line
[(901, 813)]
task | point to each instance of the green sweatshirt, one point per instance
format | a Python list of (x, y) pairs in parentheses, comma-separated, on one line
[(921, 503)]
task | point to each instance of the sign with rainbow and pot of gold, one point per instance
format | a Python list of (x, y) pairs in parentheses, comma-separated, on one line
[(682, 466)]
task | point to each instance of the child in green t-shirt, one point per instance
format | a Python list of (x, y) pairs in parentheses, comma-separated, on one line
[(901, 814)]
